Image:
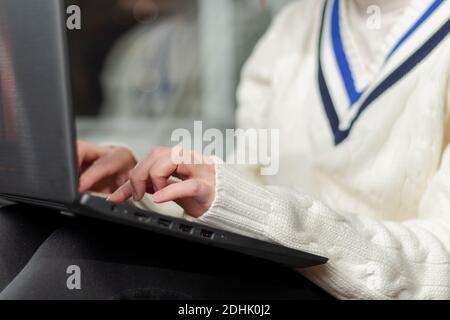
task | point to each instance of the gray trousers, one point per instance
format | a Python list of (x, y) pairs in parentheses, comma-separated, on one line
[(46, 256)]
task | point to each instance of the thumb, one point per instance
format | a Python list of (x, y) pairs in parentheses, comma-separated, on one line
[(180, 190)]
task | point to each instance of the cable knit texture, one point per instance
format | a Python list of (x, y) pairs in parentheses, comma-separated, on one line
[(377, 205)]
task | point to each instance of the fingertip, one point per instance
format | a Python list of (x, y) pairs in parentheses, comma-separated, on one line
[(122, 194), (156, 197), (86, 182), (116, 198), (82, 186)]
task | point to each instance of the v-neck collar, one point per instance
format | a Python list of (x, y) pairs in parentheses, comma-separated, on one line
[(401, 59), (342, 58), (365, 65)]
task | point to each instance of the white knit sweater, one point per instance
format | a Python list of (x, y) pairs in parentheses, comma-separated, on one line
[(374, 200)]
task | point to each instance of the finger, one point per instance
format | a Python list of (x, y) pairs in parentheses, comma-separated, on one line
[(99, 170), (122, 194), (87, 153), (180, 190), (140, 175), (161, 171), (122, 178)]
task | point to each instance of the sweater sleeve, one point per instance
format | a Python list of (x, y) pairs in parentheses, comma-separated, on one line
[(368, 258)]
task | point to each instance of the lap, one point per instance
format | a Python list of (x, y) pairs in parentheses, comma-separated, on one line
[(118, 262), (22, 230)]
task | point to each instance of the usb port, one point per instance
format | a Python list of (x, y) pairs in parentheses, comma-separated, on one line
[(141, 216), (165, 223), (185, 228), (206, 234)]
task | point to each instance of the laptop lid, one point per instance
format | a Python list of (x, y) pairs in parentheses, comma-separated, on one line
[(37, 149)]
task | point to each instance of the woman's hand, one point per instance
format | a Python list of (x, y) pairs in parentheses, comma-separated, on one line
[(193, 187), (103, 168)]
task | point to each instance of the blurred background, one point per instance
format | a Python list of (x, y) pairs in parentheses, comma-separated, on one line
[(142, 68)]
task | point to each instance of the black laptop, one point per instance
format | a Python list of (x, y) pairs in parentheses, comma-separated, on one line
[(38, 163)]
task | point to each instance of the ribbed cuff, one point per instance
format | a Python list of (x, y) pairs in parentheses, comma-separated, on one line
[(240, 206), (245, 207)]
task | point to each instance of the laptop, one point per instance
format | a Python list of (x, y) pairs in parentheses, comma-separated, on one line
[(38, 164)]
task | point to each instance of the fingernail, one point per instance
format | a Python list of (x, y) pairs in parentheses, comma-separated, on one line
[(108, 199)]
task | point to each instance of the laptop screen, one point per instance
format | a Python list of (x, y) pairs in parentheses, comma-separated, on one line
[(36, 144)]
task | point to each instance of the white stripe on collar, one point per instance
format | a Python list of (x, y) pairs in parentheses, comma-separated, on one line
[(347, 98)]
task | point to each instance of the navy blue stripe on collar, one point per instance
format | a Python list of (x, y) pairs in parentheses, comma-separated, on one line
[(341, 58), (394, 77), (324, 92), (339, 51), (434, 6)]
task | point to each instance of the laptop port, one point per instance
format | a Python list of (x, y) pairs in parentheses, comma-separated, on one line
[(207, 234), (165, 223), (141, 216), (185, 228)]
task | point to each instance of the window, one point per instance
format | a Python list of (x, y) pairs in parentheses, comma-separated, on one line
[(146, 67)]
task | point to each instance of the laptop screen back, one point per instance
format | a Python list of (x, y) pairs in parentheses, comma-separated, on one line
[(37, 155)]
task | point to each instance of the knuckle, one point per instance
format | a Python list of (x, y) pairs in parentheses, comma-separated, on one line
[(196, 187), (155, 151), (136, 178), (121, 150), (133, 175), (153, 175), (123, 153)]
